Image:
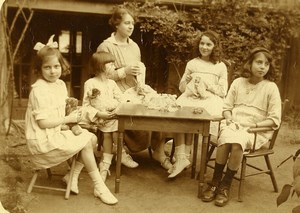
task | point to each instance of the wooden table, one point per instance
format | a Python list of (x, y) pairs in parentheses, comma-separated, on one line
[(139, 117)]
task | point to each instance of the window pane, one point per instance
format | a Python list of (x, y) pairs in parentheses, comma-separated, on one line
[(78, 42), (64, 41)]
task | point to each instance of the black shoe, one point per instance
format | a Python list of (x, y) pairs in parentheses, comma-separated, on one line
[(209, 194), (222, 197)]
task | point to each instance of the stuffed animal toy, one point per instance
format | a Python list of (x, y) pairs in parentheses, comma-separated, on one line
[(100, 102), (196, 88), (72, 107)]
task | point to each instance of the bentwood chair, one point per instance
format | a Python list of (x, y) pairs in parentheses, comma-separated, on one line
[(264, 152)]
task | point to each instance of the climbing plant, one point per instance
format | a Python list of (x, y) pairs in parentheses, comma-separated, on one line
[(241, 26)]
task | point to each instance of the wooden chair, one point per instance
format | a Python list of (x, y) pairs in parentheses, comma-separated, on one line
[(263, 152), (66, 189)]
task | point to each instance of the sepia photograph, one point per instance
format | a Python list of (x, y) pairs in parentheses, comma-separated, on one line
[(154, 106)]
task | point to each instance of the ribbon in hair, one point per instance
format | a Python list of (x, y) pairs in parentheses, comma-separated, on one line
[(53, 44)]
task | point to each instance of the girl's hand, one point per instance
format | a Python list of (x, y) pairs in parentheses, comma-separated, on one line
[(188, 78), (132, 70), (229, 121), (106, 115), (74, 117)]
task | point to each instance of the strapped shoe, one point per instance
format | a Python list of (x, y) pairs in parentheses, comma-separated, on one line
[(128, 161), (222, 197), (166, 164), (105, 196), (210, 193), (179, 166)]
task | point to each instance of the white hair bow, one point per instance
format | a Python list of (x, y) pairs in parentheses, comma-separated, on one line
[(53, 44)]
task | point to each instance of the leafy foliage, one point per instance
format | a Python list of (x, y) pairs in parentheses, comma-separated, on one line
[(241, 28), (293, 188)]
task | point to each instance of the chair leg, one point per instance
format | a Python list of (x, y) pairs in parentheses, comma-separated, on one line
[(271, 173), (32, 182), (49, 173), (242, 179), (68, 190), (172, 149), (149, 141), (150, 152), (100, 138), (210, 151)]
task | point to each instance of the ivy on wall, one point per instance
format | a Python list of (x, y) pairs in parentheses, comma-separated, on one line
[(240, 25)]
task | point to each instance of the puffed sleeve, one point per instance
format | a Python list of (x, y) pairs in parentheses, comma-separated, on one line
[(183, 82), (40, 104), (89, 111), (86, 88), (231, 95)]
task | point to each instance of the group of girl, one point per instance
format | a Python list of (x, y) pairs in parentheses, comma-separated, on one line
[(253, 100)]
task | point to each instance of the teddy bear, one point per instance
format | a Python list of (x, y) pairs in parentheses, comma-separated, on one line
[(72, 107)]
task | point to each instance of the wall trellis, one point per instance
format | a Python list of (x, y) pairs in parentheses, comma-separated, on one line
[(24, 12)]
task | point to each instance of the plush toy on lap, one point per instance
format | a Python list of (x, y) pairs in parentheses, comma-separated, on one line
[(197, 88), (100, 102), (72, 107)]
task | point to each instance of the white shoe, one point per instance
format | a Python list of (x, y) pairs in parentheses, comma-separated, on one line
[(179, 166), (104, 170), (128, 161), (74, 185), (105, 195)]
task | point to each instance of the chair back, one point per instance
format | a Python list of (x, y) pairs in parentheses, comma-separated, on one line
[(284, 107)]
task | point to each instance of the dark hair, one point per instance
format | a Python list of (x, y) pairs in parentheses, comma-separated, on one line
[(117, 16), (99, 59), (45, 52), (272, 74), (216, 54)]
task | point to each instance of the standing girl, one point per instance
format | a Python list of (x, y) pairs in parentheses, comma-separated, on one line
[(203, 84), (130, 70), (102, 63), (45, 115), (253, 100)]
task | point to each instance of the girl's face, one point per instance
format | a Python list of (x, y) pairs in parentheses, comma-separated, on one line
[(51, 68), (260, 66), (126, 27), (206, 46)]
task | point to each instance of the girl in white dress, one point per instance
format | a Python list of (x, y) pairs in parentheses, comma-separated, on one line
[(45, 115), (108, 99), (252, 101), (203, 84)]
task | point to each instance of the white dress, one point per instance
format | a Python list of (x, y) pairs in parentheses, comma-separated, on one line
[(50, 146), (110, 93), (250, 104), (214, 75)]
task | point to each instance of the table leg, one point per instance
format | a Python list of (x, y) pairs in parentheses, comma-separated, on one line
[(202, 165), (195, 153), (118, 165)]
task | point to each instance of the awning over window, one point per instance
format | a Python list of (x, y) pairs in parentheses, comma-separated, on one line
[(78, 6)]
